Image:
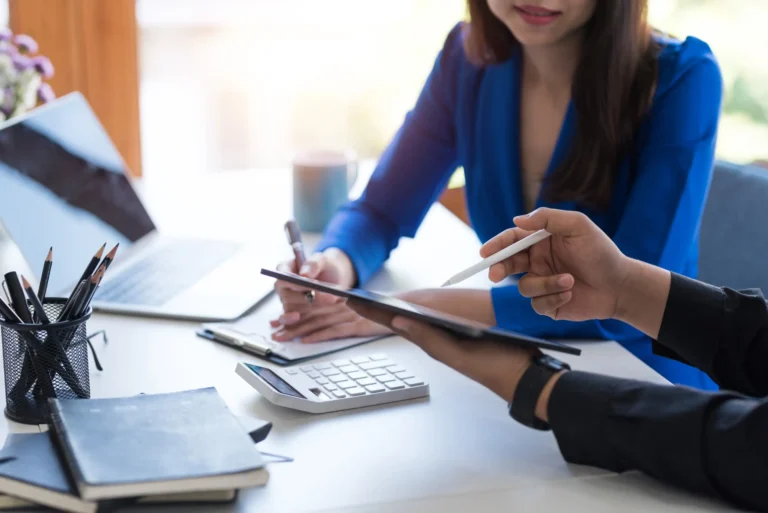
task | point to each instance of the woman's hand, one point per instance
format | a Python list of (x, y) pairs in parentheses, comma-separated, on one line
[(576, 274), (326, 317)]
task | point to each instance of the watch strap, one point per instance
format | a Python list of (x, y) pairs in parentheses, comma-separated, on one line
[(535, 378)]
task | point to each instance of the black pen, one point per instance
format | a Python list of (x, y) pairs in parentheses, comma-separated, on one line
[(43, 288), (294, 239), (18, 301), (8, 314)]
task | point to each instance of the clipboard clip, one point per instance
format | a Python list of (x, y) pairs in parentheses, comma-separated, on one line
[(233, 338)]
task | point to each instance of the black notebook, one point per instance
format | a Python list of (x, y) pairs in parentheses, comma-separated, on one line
[(154, 444), (33, 473)]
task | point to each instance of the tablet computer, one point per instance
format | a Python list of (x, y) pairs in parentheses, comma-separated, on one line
[(460, 326)]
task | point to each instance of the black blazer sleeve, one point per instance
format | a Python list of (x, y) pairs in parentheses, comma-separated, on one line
[(720, 331), (713, 443)]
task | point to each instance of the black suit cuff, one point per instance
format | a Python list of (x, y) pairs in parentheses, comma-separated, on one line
[(692, 323)]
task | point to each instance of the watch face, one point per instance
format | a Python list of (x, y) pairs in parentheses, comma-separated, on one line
[(552, 363)]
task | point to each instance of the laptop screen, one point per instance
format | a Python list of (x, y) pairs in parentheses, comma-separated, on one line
[(63, 184)]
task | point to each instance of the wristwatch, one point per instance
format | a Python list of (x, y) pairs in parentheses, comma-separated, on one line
[(523, 405)]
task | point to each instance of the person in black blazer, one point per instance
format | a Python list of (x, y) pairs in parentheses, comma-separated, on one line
[(708, 442)]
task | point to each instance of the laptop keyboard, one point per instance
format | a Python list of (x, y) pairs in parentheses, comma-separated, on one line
[(161, 275)]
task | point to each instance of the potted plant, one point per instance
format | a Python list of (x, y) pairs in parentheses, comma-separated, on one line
[(23, 75)]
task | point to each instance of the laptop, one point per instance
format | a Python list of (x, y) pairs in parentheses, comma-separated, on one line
[(64, 184)]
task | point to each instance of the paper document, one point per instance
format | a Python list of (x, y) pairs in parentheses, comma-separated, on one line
[(254, 331)]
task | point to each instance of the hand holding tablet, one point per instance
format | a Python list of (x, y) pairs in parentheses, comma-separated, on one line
[(462, 327)]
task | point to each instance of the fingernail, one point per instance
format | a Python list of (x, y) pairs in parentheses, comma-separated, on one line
[(305, 269), (564, 280), (400, 324)]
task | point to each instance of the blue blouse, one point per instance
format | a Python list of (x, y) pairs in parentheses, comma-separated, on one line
[(469, 116)]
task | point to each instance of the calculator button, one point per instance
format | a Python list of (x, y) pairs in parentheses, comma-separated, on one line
[(394, 385), (340, 363), (395, 369), (313, 374), (348, 368), (339, 394), (291, 371), (322, 366), (346, 384), (340, 377), (331, 387), (356, 391), (306, 368), (412, 382), (378, 356), (377, 372), (386, 378), (330, 372), (376, 365), (360, 359), (357, 375), (375, 388), (366, 381), (404, 375), (321, 381)]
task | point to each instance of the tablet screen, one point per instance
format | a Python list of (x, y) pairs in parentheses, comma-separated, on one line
[(459, 325)]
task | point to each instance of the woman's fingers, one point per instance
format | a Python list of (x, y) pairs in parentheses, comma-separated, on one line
[(343, 330), (549, 305), (532, 285), (374, 314), (313, 324), (294, 300)]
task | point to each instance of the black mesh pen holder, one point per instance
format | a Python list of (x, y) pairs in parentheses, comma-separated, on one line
[(43, 361)]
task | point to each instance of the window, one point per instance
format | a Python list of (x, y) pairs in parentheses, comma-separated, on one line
[(237, 84)]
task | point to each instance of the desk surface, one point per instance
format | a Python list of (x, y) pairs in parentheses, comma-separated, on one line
[(455, 451)]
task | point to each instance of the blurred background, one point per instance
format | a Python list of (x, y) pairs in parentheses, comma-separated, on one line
[(238, 84)]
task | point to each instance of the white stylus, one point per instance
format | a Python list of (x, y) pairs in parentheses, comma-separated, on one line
[(505, 253)]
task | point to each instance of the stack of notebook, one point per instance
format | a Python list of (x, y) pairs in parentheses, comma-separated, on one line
[(101, 454)]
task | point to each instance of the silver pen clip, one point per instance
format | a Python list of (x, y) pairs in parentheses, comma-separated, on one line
[(236, 339)]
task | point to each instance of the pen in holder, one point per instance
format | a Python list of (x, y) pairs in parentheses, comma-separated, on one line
[(43, 361)]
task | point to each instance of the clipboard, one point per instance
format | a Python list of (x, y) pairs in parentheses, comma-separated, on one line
[(251, 334)]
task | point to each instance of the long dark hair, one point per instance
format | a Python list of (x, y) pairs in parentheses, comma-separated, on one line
[(612, 92)]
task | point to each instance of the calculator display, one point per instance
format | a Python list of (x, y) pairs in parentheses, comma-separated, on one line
[(275, 381)]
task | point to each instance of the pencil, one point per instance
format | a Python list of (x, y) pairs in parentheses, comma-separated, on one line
[(65, 311), (79, 308), (43, 288), (36, 303), (92, 264), (95, 282), (110, 257), (505, 253)]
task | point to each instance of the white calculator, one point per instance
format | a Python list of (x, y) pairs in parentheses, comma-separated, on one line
[(337, 385)]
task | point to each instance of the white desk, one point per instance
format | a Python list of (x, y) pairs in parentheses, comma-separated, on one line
[(456, 451)]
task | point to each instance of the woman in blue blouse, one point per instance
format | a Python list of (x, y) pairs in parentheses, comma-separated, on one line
[(569, 104)]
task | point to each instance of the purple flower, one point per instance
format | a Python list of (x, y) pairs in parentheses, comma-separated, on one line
[(43, 66), (26, 44), (45, 93), (5, 34), (21, 62)]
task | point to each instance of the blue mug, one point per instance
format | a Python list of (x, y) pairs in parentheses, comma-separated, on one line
[(321, 184)]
